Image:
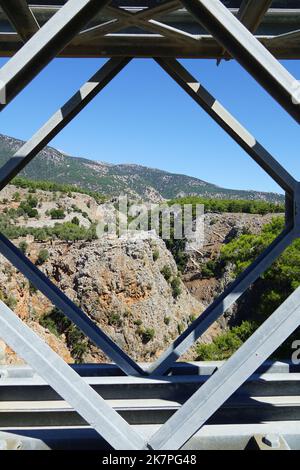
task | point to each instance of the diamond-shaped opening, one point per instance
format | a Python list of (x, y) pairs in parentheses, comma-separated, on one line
[(114, 321)]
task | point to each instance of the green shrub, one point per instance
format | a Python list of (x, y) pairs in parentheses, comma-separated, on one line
[(23, 246), (167, 320), (115, 320), (42, 256), (155, 255), (28, 207), (147, 334), (175, 284), (75, 221), (231, 205), (57, 214), (210, 269), (224, 345), (166, 272), (32, 288), (11, 302), (54, 187), (41, 235), (16, 197), (57, 323), (273, 287)]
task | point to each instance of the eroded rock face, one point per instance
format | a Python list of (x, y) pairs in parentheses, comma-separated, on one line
[(119, 284), (219, 229)]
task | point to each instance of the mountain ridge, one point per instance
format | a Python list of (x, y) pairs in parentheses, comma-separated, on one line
[(114, 179)]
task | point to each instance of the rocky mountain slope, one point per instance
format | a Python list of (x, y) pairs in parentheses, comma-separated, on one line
[(130, 286), (134, 180), (200, 276), (119, 283)]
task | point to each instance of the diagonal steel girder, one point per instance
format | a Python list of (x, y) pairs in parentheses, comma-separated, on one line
[(251, 13), (74, 313), (228, 123), (221, 304), (226, 380), (142, 19), (21, 17), (21, 158), (67, 383), (247, 50), (252, 273), (60, 119), (45, 45)]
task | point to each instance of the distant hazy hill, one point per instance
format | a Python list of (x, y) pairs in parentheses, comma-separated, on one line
[(135, 180)]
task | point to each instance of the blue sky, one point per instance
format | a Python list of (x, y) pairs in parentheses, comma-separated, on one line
[(143, 117)]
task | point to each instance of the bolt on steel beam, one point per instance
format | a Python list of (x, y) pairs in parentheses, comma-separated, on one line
[(67, 383), (45, 45), (225, 381), (247, 50)]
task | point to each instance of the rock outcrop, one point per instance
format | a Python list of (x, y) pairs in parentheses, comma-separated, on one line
[(118, 283)]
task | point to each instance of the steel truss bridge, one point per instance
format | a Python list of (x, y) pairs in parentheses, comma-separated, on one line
[(164, 405)]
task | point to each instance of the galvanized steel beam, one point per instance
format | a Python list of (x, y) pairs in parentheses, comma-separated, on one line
[(21, 17), (273, 168), (149, 45), (225, 381), (60, 119), (229, 123), (251, 13), (247, 50), (221, 304), (142, 19), (45, 45), (74, 313), (67, 383)]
